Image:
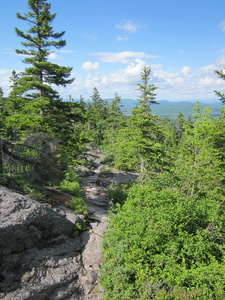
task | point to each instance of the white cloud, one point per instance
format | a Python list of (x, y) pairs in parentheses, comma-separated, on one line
[(220, 62), (53, 56), (122, 57), (65, 51), (129, 26), (187, 84), (222, 25), (4, 80), (186, 70), (89, 66), (5, 71)]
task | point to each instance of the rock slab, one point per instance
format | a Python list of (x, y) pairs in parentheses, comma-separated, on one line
[(39, 257)]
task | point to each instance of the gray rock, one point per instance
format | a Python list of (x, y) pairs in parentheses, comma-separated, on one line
[(84, 172), (39, 257), (25, 224)]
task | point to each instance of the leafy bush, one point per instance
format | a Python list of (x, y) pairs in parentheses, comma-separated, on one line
[(70, 184), (78, 205), (117, 192), (165, 245)]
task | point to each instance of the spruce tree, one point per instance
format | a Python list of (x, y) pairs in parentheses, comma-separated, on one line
[(97, 113), (32, 98), (147, 95), (138, 146), (221, 75), (40, 41)]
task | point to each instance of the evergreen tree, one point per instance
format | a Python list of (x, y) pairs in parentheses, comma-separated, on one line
[(2, 104), (97, 113), (115, 112), (115, 121), (147, 95), (40, 40), (32, 96), (167, 240), (221, 75), (179, 123), (137, 145)]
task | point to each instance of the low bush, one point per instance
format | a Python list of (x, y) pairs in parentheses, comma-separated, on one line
[(117, 192), (70, 184), (164, 245)]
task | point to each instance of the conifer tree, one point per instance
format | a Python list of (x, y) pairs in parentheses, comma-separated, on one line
[(97, 113), (147, 95), (40, 41), (115, 112), (32, 98), (221, 75), (137, 145), (179, 123), (115, 121)]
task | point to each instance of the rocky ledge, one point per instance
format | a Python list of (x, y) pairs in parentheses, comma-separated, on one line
[(41, 256)]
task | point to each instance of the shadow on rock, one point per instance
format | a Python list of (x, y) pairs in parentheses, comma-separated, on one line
[(39, 257)]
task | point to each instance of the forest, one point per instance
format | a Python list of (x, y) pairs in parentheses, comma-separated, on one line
[(166, 237)]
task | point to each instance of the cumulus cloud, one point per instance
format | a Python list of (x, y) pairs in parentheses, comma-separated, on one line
[(186, 70), (186, 84), (4, 80), (122, 57), (89, 66), (53, 56), (129, 26)]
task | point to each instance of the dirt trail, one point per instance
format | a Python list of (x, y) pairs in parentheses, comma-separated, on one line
[(95, 190)]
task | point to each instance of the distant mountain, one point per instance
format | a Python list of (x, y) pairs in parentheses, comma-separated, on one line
[(171, 109)]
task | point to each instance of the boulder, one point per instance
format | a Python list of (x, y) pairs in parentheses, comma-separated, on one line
[(25, 224), (39, 256)]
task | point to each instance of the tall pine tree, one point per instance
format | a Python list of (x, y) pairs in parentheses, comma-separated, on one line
[(32, 96)]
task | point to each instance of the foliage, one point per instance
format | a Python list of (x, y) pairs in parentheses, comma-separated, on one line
[(33, 105), (78, 205), (147, 95), (97, 112), (162, 241), (117, 192), (70, 184), (167, 240), (137, 143)]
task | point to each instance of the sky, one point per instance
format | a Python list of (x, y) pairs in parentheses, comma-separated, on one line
[(110, 41)]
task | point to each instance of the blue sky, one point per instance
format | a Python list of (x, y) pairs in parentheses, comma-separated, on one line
[(110, 41)]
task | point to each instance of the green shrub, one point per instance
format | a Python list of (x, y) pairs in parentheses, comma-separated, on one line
[(164, 245), (78, 205), (117, 192), (70, 184)]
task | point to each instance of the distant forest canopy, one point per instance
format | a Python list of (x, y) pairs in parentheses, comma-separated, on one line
[(170, 109)]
